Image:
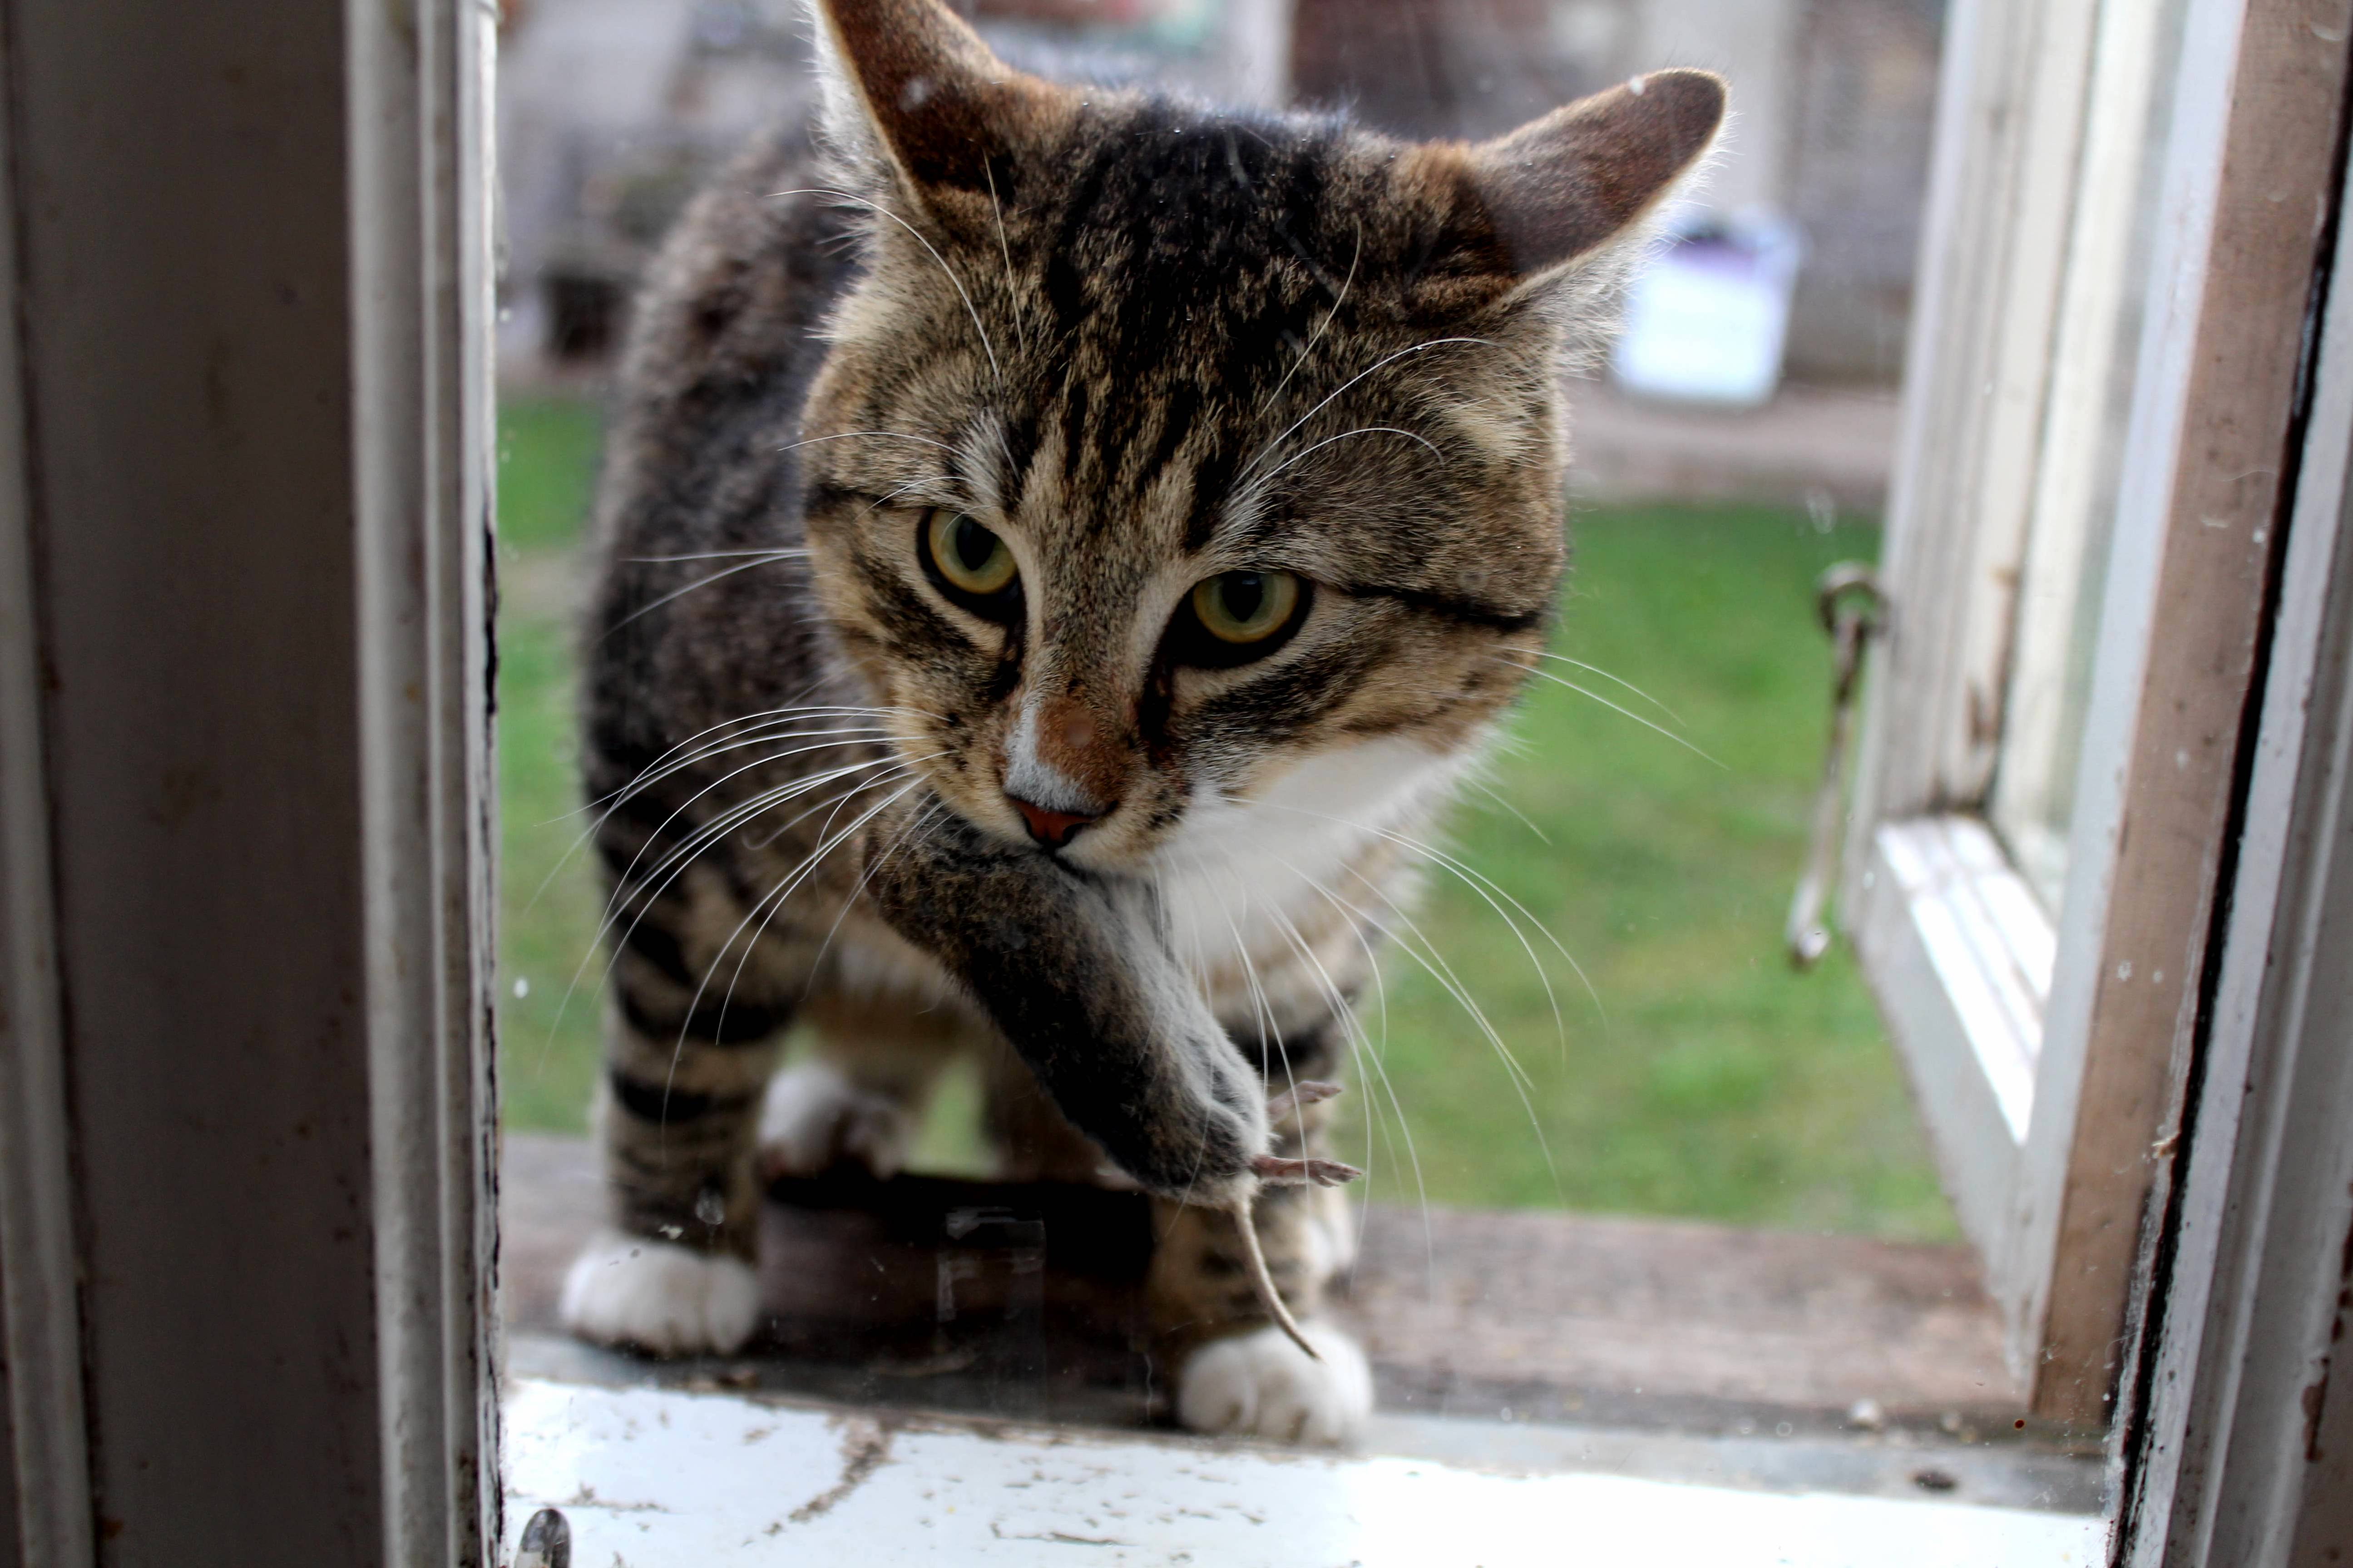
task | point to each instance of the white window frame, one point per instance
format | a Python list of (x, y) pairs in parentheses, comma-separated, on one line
[(2048, 1053)]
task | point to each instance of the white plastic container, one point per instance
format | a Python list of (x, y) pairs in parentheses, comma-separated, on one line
[(1708, 317)]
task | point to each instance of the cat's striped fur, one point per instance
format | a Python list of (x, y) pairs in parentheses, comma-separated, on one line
[(1143, 343)]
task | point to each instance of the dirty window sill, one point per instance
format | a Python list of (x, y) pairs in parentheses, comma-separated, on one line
[(658, 1478)]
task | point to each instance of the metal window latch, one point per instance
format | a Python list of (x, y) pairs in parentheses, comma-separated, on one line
[(546, 1541), (1848, 601)]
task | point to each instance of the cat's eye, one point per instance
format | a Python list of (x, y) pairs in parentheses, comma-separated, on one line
[(1237, 616), (972, 566), (1245, 606)]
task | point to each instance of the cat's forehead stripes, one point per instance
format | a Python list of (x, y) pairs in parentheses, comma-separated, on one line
[(1177, 230), (1170, 294)]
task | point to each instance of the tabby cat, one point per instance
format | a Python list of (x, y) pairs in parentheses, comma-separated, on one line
[(1061, 548)]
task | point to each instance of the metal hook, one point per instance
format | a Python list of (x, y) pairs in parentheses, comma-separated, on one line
[(546, 1541), (1853, 609)]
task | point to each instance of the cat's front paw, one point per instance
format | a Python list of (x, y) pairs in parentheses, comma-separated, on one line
[(661, 1297), (1260, 1385), (813, 1118)]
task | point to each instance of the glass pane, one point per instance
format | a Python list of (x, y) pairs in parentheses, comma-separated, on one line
[(2090, 400), (1624, 1171)]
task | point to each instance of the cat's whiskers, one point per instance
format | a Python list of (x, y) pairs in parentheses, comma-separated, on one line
[(1368, 1052), (779, 553), (1005, 248), (1269, 1031), (751, 732), (748, 810), (648, 609), (1360, 1047), (650, 776), (628, 894), (638, 902), (906, 764), (1325, 325), (1434, 962), (1428, 955), (1342, 1013), (821, 709), (681, 754), (1261, 1010), (762, 726), (1493, 794), (1614, 708), (673, 865), (899, 840), (758, 732), (939, 484), (1384, 361), (1605, 675), (831, 840), (1481, 883), (881, 211), (849, 902), (1288, 929), (656, 771), (766, 736), (864, 434), (723, 821), (1244, 496)]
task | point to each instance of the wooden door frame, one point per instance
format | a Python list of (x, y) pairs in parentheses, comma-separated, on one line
[(2238, 1442), (246, 832)]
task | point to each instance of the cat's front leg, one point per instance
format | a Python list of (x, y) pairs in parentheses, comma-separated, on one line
[(1235, 1370), (671, 1273), (1074, 971), (1235, 1373)]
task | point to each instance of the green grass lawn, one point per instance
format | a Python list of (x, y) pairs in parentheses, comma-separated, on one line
[(1706, 1080)]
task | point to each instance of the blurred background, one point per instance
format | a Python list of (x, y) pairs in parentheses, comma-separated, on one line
[(1737, 442)]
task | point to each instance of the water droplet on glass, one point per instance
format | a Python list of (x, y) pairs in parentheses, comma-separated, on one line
[(1821, 509)]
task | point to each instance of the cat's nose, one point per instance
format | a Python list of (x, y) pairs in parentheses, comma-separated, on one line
[(1051, 828)]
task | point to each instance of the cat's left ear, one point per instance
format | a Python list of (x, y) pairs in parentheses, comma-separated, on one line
[(1581, 180), (910, 87)]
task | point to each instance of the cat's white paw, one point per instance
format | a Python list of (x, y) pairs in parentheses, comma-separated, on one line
[(814, 1117), (1260, 1385), (661, 1297)]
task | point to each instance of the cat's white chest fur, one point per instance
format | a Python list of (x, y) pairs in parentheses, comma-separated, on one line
[(1266, 881)]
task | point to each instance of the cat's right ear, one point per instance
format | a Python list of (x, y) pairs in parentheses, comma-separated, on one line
[(910, 89), (1579, 183)]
